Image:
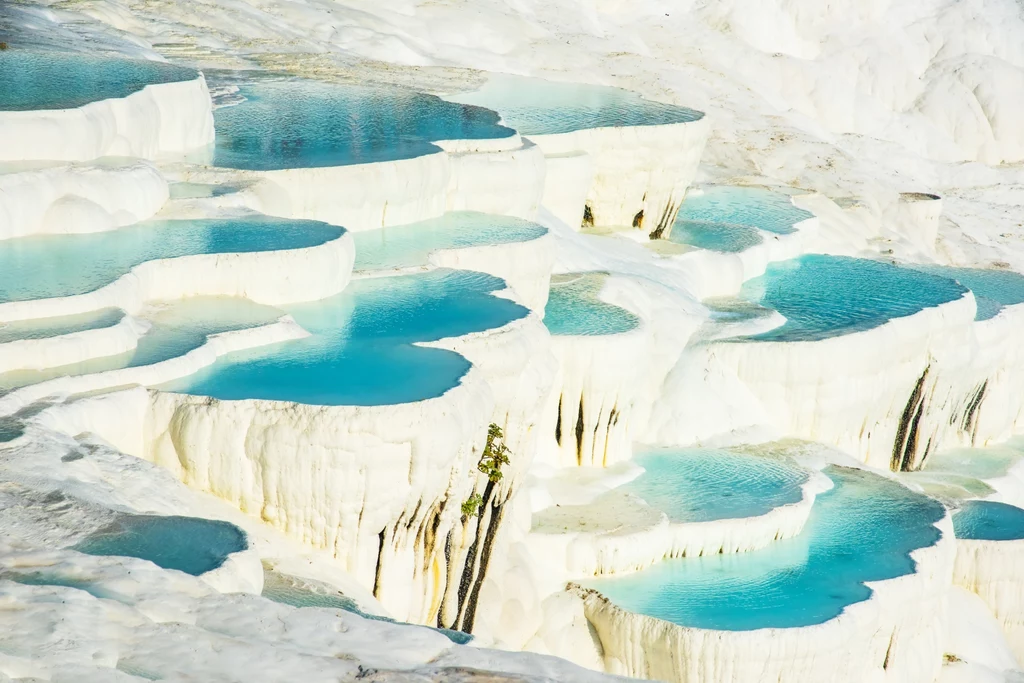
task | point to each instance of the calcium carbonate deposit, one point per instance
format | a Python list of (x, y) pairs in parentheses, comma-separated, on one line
[(485, 341)]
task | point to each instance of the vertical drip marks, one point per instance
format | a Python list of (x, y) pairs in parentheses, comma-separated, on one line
[(613, 419), (447, 564), (904, 447), (558, 422), (497, 511), (579, 435), (588, 216), (638, 220), (380, 561), (668, 217), (970, 421)]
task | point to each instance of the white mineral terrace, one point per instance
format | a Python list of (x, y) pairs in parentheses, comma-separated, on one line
[(620, 388)]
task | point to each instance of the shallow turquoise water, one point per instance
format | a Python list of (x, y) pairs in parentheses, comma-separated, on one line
[(45, 328), (189, 544), (862, 530), (754, 207), (177, 329), (984, 520), (289, 590), (301, 124), (361, 350), (731, 218), (39, 267), (574, 309), (405, 246), (534, 106), (32, 80), (703, 484), (993, 289), (723, 237), (827, 296)]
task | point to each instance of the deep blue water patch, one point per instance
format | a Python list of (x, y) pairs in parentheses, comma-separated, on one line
[(534, 106), (39, 267), (362, 351), (985, 520), (862, 530), (302, 124), (189, 544), (993, 289), (35, 80), (574, 308), (827, 296), (405, 246), (703, 484)]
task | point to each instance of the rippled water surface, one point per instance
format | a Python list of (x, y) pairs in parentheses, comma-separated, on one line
[(362, 351), (298, 124), (984, 520), (861, 530), (535, 106), (189, 544), (733, 219), (410, 245), (39, 267), (574, 308), (702, 484), (827, 296), (993, 289), (31, 80)]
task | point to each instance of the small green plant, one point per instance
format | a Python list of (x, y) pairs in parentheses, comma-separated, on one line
[(472, 505), (495, 454)]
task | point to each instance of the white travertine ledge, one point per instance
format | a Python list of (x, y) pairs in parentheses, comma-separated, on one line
[(159, 120)]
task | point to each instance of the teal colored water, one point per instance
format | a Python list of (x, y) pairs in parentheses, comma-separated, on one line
[(703, 484), (35, 80), (862, 530), (534, 106), (177, 328), (722, 237), (993, 289), (301, 124), (743, 207), (827, 296), (290, 590), (189, 544), (984, 520), (574, 309), (45, 328), (361, 350), (40, 267), (405, 246)]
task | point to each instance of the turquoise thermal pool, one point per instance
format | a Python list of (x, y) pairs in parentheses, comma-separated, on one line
[(41, 267), (406, 246), (828, 296), (993, 289), (177, 328), (862, 530), (702, 484), (984, 520), (362, 350), (732, 219), (304, 124), (35, 80), (534, 106), (45, 328), (189, 544), (574, 308)]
